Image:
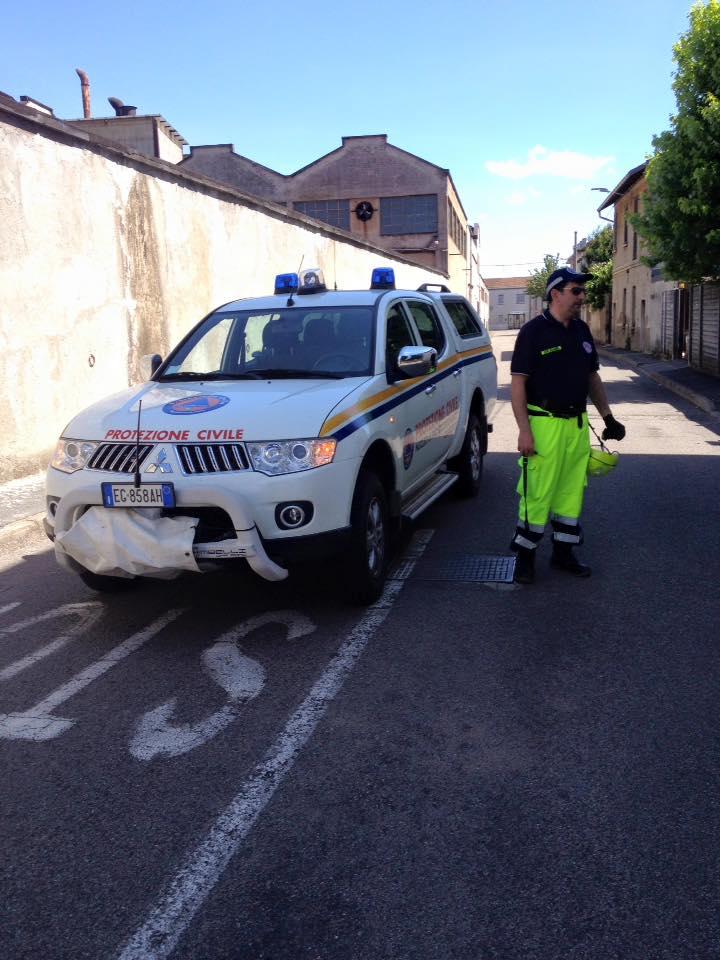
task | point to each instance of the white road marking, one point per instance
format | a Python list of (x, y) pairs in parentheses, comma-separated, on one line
[(88, 613), (10, 606), (204, 865), (241, 677), (38, 723)]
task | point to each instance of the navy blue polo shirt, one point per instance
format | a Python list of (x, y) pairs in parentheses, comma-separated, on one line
[(557, 361)]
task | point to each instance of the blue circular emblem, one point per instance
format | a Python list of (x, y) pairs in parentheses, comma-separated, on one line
[(199, 403), (408, 448)]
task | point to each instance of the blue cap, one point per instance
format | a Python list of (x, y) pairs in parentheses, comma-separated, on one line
[(564, 275)]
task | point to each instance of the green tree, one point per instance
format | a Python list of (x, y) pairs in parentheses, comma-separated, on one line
[(538, 278), (680, 222), (599, 262)]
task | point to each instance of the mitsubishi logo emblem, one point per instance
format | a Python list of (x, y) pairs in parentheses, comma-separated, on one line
[(160, 464)]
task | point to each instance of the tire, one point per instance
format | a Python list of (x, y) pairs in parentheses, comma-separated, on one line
[(101, 584), (469, 462), (367, 559)]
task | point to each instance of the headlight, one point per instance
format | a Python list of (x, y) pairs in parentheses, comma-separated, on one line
[(72, 455), (275, 457)]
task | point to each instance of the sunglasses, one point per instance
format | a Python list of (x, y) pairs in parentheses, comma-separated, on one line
[(576, 291)]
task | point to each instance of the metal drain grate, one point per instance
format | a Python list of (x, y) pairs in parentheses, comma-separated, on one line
[(460, 568)]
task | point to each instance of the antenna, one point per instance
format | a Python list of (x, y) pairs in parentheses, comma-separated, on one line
[(291, 302), (136, 481)]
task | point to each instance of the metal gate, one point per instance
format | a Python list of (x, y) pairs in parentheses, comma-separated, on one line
[(705, 328)]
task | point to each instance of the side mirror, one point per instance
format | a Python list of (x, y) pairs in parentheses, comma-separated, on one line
[(417, 361), (149, 364)]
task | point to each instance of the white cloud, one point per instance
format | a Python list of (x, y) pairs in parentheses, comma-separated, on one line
[(550, 163), (520, 197)]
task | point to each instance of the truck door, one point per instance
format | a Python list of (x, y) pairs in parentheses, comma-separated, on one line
[(415, 405), (438, 428)]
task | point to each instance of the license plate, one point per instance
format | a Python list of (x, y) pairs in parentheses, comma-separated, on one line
[(146, 495)]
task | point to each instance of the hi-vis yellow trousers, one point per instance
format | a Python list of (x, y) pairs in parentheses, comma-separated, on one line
[(552, 482)]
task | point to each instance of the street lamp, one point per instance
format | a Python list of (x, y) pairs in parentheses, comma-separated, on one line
[(602, 190)]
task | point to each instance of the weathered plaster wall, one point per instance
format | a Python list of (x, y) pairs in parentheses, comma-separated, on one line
[(106, 257)]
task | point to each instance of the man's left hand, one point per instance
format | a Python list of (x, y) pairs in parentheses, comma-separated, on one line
[(614, 430)]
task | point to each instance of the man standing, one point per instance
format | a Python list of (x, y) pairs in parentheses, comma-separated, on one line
[(554, 368)]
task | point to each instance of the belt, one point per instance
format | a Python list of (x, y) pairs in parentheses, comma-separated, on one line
[(558, 415)]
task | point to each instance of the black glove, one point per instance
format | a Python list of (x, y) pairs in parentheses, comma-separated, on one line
[(614, 430)]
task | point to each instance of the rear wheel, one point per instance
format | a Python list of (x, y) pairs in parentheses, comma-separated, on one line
[(367, 559), (469, 462), (97, 581)]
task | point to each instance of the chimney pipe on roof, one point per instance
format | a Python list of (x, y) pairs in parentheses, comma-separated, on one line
[(85, 86), (121, 109)]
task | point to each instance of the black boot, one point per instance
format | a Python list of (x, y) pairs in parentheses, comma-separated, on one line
[(524, 565), (563, 558)]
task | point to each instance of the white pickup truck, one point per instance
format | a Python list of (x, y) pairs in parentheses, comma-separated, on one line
[(280, 430)]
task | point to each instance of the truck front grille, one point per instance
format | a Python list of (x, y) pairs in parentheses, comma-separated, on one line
[(119, 457), (212, 457)]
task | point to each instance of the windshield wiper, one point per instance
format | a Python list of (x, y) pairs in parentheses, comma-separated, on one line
[(282, 373), (210, 375)]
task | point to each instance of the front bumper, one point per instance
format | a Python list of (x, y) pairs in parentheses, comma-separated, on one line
[(248, 498)]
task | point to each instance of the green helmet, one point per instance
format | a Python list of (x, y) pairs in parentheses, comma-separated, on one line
[(601, 462)]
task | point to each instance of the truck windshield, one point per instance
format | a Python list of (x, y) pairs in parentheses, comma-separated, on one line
[(246, 344)]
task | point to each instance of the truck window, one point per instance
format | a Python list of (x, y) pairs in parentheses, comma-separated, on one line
[(466, 324), (431, 333), (399, 335)]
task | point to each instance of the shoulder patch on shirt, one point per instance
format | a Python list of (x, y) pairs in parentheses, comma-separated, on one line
[(587, 347)]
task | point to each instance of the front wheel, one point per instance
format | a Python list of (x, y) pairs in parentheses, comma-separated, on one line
[(469, 462), (367, 558)]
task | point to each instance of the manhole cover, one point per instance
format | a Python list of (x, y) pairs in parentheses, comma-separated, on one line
[(463, 568)]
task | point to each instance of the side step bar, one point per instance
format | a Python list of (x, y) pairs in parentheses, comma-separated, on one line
[(433, 489)]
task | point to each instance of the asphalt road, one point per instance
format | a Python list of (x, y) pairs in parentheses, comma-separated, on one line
[(221, 768)]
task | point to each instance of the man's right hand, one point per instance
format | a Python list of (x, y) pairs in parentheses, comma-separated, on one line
[(526, 443)]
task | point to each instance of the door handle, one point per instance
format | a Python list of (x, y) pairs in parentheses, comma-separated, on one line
[(456, 373), (431, 389)]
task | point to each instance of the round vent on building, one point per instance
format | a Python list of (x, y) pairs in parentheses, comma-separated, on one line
[(364, 210)]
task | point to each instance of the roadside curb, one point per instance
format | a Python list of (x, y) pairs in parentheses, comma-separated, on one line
[(27, 526), (701, 401)]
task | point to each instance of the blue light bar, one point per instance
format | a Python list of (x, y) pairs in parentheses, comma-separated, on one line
[(286, 283), (383, 278)]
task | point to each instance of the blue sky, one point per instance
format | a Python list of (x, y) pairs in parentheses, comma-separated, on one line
[(528, 105)]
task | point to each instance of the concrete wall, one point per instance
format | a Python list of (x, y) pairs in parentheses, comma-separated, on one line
[(106, 257)]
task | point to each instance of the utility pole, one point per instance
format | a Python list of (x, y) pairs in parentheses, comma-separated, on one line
[(575, 250)]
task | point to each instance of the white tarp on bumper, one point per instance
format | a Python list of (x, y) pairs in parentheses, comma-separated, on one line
[(130, 543)]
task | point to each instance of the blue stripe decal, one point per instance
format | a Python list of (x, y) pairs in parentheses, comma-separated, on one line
[(376, 412)]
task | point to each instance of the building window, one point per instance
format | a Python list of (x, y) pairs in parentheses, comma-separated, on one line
[(519, 298), (635, 236), (334, 212), (400, 215), (501, 298), (625, 227), (632, 310), (456, 231)]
